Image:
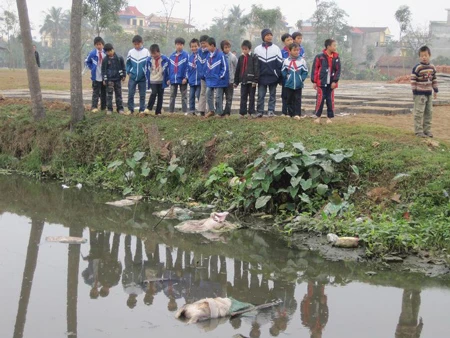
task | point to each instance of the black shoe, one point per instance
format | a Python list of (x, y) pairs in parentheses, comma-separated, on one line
[(429, 135), (259, 115)]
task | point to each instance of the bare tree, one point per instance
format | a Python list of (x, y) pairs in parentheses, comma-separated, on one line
[(37, 106), (168, 5), (76, 87)]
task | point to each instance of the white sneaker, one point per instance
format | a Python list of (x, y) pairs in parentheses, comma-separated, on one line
[(95, 110)]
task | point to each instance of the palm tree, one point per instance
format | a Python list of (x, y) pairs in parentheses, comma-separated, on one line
[(235, 24), (56, 24)]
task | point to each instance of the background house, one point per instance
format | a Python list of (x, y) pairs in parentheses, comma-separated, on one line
[(131, 19), (440, 37), (394, 66)]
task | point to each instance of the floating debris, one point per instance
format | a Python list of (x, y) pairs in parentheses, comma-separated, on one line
[(215, 223), (343, 242), (122, 203), (175, 213), (66, 240)]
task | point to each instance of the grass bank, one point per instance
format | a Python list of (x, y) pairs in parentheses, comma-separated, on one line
[(399, 183)]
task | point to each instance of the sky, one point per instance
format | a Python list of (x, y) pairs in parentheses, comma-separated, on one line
[(361, 13)]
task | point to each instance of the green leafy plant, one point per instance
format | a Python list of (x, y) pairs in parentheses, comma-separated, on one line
[(221, 184)]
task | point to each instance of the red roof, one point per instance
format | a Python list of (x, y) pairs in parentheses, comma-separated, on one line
[(131, 11), (356, 30)]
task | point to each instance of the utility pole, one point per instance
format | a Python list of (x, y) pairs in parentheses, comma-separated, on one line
[(189, 20)]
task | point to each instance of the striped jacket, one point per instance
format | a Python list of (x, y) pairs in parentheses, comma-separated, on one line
[(217, 73), (423, 79), (294, 73), (178, 64), (326, 69), (92, 61), (137, 64), (194, 70), (270, 62)]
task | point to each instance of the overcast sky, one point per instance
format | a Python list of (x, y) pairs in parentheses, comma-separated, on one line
[(361, 13)]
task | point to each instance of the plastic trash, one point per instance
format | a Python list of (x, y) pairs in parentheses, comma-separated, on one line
[(66, 240)]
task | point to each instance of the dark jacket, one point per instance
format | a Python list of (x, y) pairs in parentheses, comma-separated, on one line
[(113, 69), (38, 59), (270, 62), (324, 65), (251, 72)]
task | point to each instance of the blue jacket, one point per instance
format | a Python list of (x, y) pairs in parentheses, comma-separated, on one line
[(137, 64), (92, 61), (294, 72), (217, 73), (178, 67), (203, 54), (194, 72), (164, 64), (270, 62)]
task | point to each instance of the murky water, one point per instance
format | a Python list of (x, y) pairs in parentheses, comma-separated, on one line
[(96, 289)]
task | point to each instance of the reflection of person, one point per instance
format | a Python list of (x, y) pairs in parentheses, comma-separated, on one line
[(91, 273), (314, 309), (133, 274), (408, 324), (110, 268), (153, 271)]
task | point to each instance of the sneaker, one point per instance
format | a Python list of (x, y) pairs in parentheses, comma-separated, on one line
[(317, 120), (127, 113), (259, 115), (95, 110), (109, 112), (297, 117), (329, 121), (189, 114), (429, 135), (147, 111), (121, 112), (210, 114), (270, 114), (202, 113), (242, 116), (141, 114), (421, 135), (284, 115)]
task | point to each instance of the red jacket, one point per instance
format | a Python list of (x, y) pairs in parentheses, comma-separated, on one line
[(325, 66)]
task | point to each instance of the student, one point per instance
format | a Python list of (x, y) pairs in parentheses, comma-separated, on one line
[(247, 74), (286, 38), (424, 83), (178, 63), (298, 39), (94, 62), (216, 77), (325, 74), (203, 55), (137, 72), (37, 57), (270, 62), (194, 75), (225, 45), (157, 77), (113, 73), (294, 72)]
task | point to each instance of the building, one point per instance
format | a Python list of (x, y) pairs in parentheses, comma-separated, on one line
[(159, 22), (394, 66), (368, 44), (131, 19), (440, 37)]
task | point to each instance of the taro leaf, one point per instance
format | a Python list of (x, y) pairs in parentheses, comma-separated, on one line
[(180, 171), (297, 161), (279, 191), (294, 191), (278, 171), (145, 172), (327, 166), (291, 206), (309, 160), (299, 146), (355, 169), (292, 170), (131, 163), (211, 179), (262, 201), (144, 165), (333, 209), (338, 158), (258, 161), (306, 184), (172, 167), (314, 172), (305, 198), (247, 203), (320, 152), (273, 166), (266, 184), (257, 192), (283, 154), (127, 191), (280, 145), (259, 176), (163, 180), (400, 176), (183, 178), (272, 151), (322, 189), (114, 165), (295, 181), (130, 175), (138, 156)]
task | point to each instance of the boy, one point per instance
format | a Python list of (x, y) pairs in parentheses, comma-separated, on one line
[(286, 38), (298, 39), (177, 73), (325, 74), (113, 72), (294, 72), (216, 77), (270, 62), (94, 62), (137, 72), (157, 75), (247, 73), (225, 45), (194, 75), (424, 83), (203, 55)]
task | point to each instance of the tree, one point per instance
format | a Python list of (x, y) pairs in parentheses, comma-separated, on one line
[(299, 24), (76, 83), (235, 24), (56, 24), (9, 30), (37, 106), (266, 18), (403, 16), (102, 14), (168, 5)]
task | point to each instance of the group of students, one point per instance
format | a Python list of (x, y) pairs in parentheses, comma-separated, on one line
[(213, 73)]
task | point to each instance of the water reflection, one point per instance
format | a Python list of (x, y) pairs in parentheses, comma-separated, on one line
[(409, 325)]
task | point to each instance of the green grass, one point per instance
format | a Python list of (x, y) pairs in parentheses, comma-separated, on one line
[(84, 156)]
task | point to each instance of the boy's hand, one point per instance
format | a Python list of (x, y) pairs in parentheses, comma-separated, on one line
[(104, 83), (168, 82), (184, 81), (315, 86), (333, 85), (123, 79), (235, 85), (435, 95), (254, 84)]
